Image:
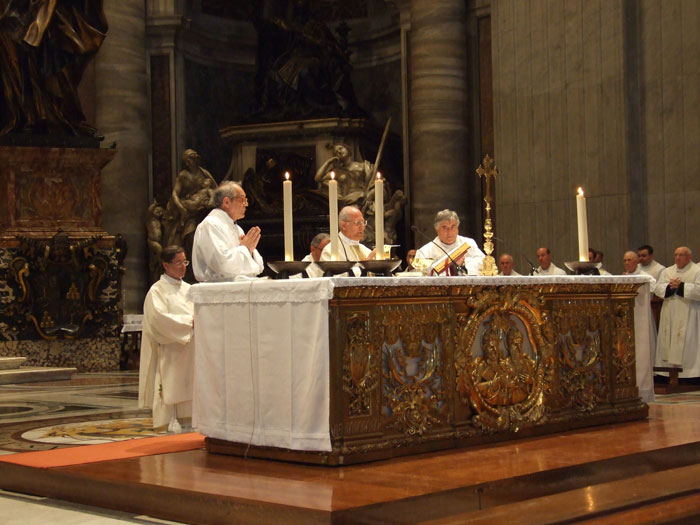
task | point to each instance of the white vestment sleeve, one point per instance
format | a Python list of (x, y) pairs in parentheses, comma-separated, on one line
[(221, 257)]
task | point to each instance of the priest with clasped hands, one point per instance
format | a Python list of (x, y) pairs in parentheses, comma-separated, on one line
[(222, 251), (449, 249), (678, 343)]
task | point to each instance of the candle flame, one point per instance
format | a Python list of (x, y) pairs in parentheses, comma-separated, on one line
[(580, 191), (332, 175), (379, 175), (286, 175)]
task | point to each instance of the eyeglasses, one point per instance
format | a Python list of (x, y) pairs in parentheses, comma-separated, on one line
[(358, 223), (180, 263), (239, 198)]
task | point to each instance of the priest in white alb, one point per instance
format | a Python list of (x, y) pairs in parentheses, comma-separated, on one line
[(352, 224), (318, 243), (452, 254), (221, 250), (547, 267), (644, 329), (167, 346), (678, 343)]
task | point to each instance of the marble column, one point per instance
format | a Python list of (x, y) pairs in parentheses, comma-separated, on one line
[(437, 109), (122, 116)]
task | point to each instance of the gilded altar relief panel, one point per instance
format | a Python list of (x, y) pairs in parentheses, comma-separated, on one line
[(503, 360), (582, 336), (413, 355)]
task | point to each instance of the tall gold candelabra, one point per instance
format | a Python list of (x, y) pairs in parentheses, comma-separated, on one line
[(488, 171)]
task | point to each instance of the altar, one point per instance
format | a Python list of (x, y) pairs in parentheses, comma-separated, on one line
[(345, 370)]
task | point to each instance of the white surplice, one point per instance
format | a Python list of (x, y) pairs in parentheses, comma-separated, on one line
[(348, 250), (167, 351), (312, 270), (217, 253), (654, 269), (678, 343), (472, 258), (644, 338), (553, 269)]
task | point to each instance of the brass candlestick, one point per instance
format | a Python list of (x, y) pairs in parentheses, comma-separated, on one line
[(488, 171)]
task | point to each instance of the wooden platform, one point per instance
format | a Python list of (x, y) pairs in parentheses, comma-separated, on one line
[(644, 471)]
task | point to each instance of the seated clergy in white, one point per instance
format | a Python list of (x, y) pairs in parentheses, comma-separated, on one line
[(221, 250), (644, 329), (352, 226), (505, 263), (318, 243), (547, 267), (449, 249), (167, 345), (678, 343)]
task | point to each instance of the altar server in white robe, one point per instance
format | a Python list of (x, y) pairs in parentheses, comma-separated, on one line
[(547, 267), (222, 251), (318, 243), (452, 254), (647, 263), (644, 329), (678, 343), (167, 346), (352, 227)]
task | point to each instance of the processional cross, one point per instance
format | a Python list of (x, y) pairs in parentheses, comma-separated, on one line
[(489, 172)]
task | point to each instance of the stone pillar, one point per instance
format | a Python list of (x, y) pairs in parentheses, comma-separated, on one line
[(122, 116), (438, 109)]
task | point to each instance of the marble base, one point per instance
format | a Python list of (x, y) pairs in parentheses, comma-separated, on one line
[(33, 374), (83, 355), (11, 363)]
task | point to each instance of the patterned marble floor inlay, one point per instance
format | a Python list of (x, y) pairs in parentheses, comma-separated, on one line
[(88, 409)]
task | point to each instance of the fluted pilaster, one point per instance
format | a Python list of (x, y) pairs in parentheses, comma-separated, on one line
[(437, 108)]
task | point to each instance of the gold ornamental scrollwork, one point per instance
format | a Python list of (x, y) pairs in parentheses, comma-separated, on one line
[(413, 392), (583, 379), (503, 359), (359, 372)]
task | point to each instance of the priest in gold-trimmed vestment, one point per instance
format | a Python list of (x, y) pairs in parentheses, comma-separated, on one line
[(452, 254)]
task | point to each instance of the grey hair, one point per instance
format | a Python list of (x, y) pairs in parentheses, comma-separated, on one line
[(345, 213), (445, 215), (318, 239), (226, 189)]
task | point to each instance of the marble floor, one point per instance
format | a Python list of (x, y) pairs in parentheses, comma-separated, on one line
[(88, 409)]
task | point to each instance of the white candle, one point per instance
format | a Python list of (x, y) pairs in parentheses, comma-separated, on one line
[(379, 216), (582, 223), (288, 224), (333, 214)]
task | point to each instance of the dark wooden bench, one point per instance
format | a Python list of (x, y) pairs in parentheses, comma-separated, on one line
[(672, 386)]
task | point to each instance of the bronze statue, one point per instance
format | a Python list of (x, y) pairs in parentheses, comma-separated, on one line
[(45, 46), (303, 68), (191, 199), (353, 177)]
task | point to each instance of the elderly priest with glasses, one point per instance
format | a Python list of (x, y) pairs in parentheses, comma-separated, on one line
[(452, 253), (222, 251), (352, 227)]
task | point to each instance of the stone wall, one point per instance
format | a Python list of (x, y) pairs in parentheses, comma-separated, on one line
[(603, 95)]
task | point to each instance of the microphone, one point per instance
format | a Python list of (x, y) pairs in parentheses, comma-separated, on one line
[(532, 266), (453, 263)]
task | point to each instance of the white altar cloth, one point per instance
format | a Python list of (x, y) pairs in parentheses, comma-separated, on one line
[(262, 354)]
